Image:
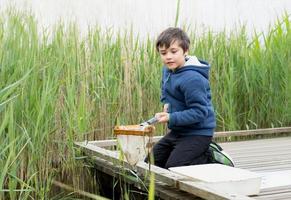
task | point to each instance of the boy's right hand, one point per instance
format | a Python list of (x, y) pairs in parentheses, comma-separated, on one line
[(163, 117)]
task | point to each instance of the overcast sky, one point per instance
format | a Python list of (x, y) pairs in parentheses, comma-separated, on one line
[(152, 16)]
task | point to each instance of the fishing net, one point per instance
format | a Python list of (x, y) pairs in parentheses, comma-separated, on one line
[(135, 141)]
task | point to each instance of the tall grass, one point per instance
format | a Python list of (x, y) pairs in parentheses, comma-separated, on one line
[(250, 77), (57, 88)]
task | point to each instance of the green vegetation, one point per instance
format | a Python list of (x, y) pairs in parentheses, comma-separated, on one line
[(56, 88)]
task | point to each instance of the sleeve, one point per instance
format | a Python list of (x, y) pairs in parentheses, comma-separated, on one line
[(195, 93)]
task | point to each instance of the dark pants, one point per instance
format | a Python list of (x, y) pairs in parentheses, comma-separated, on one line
[(175, 150)]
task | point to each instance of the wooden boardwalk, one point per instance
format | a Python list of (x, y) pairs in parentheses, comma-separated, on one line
[(269, 157), (261, 155)]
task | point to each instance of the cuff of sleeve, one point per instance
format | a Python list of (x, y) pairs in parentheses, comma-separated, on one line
[(172, 119)]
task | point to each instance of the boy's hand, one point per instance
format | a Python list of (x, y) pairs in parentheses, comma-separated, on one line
[(163, 117)]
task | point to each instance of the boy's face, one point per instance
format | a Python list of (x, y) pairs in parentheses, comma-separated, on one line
[(174, 56)]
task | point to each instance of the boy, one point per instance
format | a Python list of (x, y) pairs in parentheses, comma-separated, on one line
[(188, 109)]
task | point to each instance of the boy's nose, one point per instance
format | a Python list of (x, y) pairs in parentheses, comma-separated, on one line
[(168, 57)]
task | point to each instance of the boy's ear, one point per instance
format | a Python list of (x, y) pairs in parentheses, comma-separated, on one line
[(186, 53)]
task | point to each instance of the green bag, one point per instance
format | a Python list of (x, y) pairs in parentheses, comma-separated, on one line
[(217, 155)]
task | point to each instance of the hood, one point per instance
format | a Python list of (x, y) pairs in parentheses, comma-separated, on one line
[(193, 63)]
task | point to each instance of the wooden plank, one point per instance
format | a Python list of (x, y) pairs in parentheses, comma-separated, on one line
[(265, 154), (161, 190), (223, 178), (187, 184), (197, 188), (275, 194), (268, 152), (275, 190), (261, 156), (266, 158), (103, 143), (268, 168), (188, 187), (257, 147), (266, 131), (170, 193), (258, 143), (277, 179), (142, 168), (264, 163)]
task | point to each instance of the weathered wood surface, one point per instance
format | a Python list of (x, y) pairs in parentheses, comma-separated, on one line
[(224, 178), (264, 155), (183, 183), (162, 190), (261, 155), (280, 193), (255, 155)]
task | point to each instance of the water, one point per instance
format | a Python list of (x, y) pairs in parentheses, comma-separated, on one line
[(149, 17)]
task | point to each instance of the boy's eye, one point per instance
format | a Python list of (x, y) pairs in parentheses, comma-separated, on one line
[(174, 51), (163, 53)]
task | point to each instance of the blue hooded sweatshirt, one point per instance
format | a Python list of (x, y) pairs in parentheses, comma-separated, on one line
[(188, 94)]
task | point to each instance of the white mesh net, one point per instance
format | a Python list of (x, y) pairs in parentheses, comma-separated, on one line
[(134, 147), (135, 141)]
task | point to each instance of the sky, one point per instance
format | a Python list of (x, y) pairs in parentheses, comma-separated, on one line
[(150, 17)]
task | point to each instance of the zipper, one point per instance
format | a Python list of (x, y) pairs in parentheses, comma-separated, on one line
[(168, 77)]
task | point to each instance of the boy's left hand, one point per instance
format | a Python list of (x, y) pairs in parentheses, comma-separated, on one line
[(163, 117)]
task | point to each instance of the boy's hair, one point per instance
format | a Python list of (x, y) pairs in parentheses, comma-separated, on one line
[(170, 35)]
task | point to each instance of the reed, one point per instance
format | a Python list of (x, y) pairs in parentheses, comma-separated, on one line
[(57, 88)]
